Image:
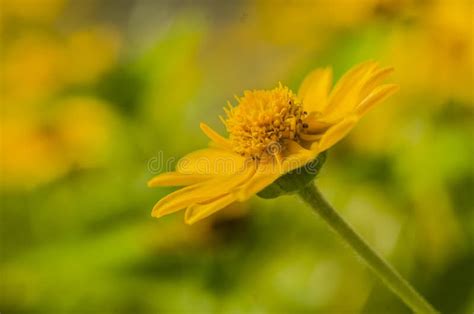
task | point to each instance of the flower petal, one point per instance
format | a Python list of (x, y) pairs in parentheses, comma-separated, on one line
[(378, 95), (315, 89), (181, 199), (199, 211), (176, 179), (266, 173), (345, 96), (201, 192), (310, 137), (336, 133), (376, 78), (218, 139), (315, 124), (297, 157), (210, 161)]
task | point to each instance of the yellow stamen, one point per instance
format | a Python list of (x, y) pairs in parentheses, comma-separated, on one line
[(263, 120)]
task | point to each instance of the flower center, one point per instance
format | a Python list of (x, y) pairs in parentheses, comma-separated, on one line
[(263, 120)]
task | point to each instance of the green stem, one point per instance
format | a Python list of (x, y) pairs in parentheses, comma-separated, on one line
[(387, 273)]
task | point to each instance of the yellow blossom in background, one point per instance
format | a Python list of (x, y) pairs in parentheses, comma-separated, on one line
[(295, 21), (30, 153), (90, 53), (37, 64), (76, 133), (440, 61), (85, 128), (271, 132), (35, 10), (44, 134), (32, 69)]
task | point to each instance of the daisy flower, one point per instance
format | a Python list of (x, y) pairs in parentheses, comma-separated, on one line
[(270, 133)]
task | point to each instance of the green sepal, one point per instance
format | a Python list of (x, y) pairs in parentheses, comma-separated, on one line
[(295, 180)]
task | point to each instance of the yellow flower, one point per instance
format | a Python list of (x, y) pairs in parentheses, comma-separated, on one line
[(271, 132)]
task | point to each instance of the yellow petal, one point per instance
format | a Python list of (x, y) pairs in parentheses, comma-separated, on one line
[(310, 137), (352, 75), (210, 161), (176, 179), (376, 78), (218, 139), (197, 212), (297, 156), (201, 192), (266, 173), (378, 95), (336, 133), (181, 199), (315, 89), (345, 95), (315, 124)]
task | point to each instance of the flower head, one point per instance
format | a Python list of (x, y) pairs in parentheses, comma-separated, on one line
[(262, 120), (271, 132)]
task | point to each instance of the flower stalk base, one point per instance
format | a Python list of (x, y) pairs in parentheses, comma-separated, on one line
[(311, 195)]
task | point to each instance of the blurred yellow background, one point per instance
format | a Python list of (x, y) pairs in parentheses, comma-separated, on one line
[(94, 92)]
